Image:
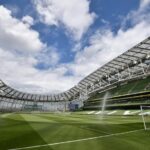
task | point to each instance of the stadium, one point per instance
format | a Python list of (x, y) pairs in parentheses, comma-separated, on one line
[(106, 106), (75, 75)]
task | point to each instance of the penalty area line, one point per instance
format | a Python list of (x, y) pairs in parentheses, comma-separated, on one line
[(73, 141)]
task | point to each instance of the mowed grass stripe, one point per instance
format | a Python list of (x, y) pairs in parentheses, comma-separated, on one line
[(17, 133), (56, 128), (106, 126), (78, 140), (74, 122), (56, 131), (94, 118)]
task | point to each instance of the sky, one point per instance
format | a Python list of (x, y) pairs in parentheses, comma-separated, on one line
[(48, 46)]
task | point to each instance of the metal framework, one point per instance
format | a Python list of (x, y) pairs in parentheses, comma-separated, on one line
[(133, 63)]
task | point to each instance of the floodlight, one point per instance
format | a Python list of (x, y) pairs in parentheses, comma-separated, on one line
[(134, 62), (148, 56)]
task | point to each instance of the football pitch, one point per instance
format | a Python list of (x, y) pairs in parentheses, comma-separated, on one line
[(72, 131)]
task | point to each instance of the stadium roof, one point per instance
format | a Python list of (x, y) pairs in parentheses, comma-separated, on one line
[(134, 55)]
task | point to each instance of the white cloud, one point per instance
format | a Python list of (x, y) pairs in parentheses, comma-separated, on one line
[(28, 20), (144, 3), (73, 14), (48, 57), (104, 45), (142, 14), (17, 36), (19, 47)]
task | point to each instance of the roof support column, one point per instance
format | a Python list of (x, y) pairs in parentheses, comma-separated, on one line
[(129, 72), (141, 64), (12, 105)]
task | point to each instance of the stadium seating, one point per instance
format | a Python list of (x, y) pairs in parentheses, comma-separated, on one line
[(128, 94)]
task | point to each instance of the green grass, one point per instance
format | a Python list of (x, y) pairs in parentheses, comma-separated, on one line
[(23, 130)]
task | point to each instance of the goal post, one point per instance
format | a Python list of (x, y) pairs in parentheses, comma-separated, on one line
[(145, 113)]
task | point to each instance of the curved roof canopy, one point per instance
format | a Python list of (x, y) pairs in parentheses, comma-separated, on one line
[(134, 55)]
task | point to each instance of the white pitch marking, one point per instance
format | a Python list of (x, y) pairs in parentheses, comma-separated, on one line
[(145, 113), (130, 113), (112, 112), (134, 112), (79, 140), (99, 112), (91, 112), (126, 112)]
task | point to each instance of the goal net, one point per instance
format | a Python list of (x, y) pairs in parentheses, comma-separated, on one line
[(145, 113)]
